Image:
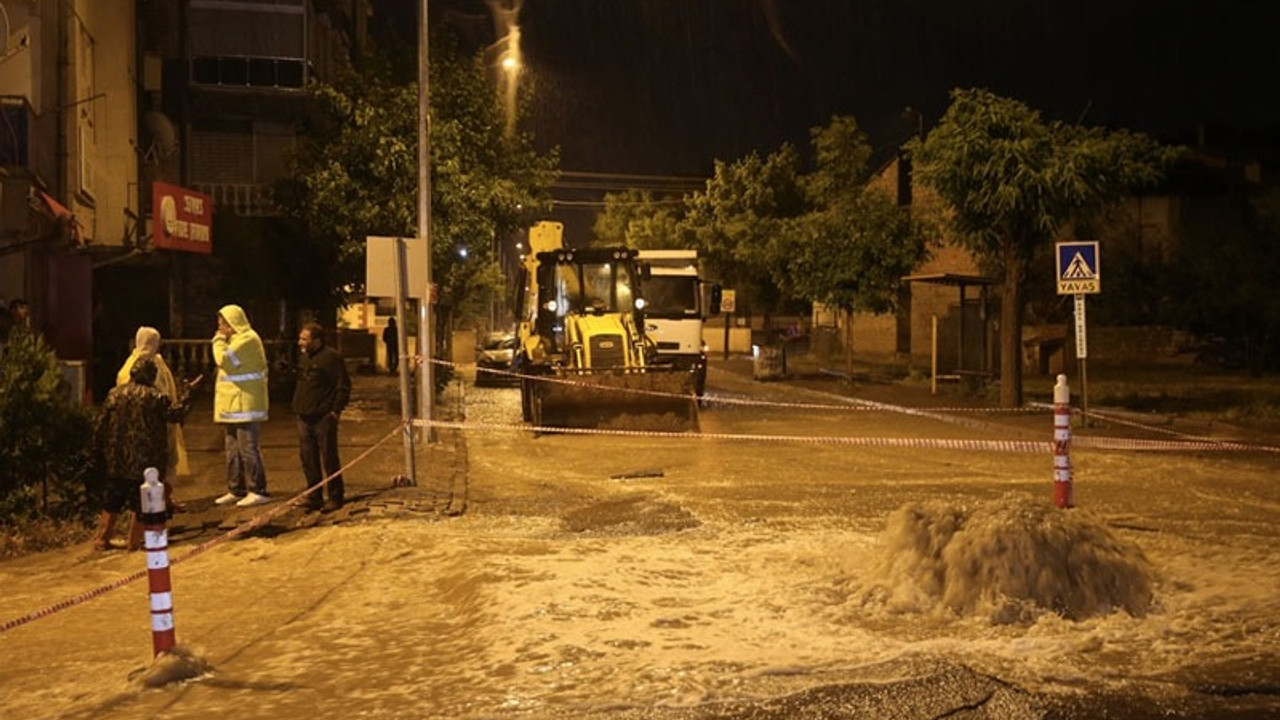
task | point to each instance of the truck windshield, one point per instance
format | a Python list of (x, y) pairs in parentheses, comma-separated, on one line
[(671, 296)]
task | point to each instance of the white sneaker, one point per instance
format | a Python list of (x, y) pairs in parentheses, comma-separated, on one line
[(252, 499), (227, 499)]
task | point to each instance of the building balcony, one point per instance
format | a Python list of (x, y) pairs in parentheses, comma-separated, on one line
[(245, 199)]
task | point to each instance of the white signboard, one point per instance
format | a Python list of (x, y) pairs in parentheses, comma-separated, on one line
[(728, 300), (1082, 346), (380, 266)]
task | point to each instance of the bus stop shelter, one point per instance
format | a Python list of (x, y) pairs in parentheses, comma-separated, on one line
[(980, 366)]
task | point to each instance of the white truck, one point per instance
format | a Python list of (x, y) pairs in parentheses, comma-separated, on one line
[(677, 300)]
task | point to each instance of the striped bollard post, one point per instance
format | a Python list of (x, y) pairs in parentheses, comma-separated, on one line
[(156, 540), (1062, 492)]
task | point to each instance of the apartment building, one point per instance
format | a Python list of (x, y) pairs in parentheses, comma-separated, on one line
[(114, 113)]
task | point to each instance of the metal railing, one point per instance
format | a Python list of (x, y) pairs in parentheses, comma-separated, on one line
[(189, 358), (244, 199)]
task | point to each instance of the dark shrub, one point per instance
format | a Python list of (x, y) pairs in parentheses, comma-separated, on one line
[(45, 436)]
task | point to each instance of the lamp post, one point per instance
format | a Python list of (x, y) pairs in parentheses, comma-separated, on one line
[(426, 377)]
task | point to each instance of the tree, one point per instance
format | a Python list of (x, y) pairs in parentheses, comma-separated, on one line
[(636, 219), (1222, 274), (855, 245), (739, 222), (783, 235), (356, 176), (1013, 180)]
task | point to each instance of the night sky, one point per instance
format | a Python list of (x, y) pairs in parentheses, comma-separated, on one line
[(666, 86)]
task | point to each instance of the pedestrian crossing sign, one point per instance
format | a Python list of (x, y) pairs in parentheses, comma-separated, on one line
[(1078, 268)]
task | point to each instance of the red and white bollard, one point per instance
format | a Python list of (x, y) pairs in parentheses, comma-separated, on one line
[(1062, 492), (156, 541)]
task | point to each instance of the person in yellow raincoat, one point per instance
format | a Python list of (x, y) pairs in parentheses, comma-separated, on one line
[(240, 405), (146, 344)]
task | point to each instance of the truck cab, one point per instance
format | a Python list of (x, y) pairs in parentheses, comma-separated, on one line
[(677, 301)]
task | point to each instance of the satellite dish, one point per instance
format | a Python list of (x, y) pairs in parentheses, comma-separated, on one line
[(15, 43), (164, 137), (4, 34)]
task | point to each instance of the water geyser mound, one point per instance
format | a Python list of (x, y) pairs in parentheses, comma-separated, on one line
[(1009, 559)]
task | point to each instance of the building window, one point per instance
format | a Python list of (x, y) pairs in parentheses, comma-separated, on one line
[(286, 73), (248, 44)]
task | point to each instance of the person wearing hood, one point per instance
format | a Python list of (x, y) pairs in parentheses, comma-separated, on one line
[(146, 344), (130, 437), (240, 405)]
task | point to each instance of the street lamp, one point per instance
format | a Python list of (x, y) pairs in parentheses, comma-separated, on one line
[(511, 65)]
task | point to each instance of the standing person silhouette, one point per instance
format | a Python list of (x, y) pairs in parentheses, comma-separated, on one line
[(321, 395), (146, 344), (392, 339), (130, 437)]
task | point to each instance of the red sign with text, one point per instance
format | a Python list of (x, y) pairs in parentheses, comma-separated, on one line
[(181, 219)]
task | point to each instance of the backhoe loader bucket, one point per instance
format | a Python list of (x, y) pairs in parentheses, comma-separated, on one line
[(651, 399)]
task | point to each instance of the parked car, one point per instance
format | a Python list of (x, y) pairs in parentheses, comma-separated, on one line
[(495, 352)]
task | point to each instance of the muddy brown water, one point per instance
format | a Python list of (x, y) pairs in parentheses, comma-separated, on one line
[(746, 579)]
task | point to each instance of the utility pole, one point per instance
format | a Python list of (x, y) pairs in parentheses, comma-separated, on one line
[(426, 314)]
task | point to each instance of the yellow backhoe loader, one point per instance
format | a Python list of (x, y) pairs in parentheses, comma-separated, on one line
[(583, 351)]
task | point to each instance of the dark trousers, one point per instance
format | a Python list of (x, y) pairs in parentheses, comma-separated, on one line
[(393, 356), (318, 449)]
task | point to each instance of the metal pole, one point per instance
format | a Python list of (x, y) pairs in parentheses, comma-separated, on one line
[(1082, 354), (402, 346), (728, 320), (933, 357), (426, 316)]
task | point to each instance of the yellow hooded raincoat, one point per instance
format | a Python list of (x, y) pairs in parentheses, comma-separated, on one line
[(241, 392)]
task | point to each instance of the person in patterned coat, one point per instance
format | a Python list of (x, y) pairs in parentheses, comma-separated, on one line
[(132, 435)]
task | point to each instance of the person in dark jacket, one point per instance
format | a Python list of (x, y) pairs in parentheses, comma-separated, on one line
[(132, 435), (391, 338), (321, 395)]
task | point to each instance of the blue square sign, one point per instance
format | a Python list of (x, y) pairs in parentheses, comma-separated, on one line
[(1078, 272)]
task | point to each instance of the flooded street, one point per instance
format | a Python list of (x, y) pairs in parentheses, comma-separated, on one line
[(641, 577)]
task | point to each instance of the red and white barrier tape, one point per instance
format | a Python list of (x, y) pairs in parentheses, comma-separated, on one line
[(1113, 443), (1186, 441), (1030, 446), (855, 404), (256, 522), (940, 443)]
